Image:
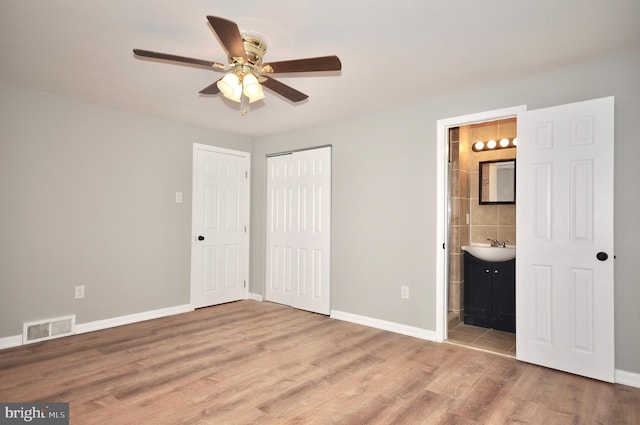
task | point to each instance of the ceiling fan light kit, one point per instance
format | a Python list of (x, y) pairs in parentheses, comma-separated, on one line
[(245, 75)]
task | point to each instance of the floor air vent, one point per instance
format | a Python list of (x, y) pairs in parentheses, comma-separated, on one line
[(48, 329)]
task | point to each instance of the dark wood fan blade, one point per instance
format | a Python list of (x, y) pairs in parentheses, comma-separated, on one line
[(284, 90), (229, 36), (323, 63), (175, 58), (211, 89)]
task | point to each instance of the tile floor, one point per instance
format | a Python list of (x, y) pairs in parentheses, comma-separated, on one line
[(483, 338)]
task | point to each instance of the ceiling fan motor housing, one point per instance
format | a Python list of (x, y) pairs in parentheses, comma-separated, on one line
[(255, 49)]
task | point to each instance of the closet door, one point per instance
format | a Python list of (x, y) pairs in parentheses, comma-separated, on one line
[(299, 229)]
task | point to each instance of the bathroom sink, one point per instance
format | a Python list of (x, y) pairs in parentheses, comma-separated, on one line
[(491, 253)]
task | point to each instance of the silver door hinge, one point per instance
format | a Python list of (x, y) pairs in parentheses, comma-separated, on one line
[(246, 174), (245, 228), (245, 283)]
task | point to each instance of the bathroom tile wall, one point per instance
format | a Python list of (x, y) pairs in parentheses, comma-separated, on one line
[(458, 227), (488, 221)]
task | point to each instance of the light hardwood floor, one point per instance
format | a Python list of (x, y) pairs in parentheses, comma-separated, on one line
[(261, 363)]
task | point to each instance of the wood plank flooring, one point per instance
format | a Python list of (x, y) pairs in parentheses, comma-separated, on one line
[(262, 363)]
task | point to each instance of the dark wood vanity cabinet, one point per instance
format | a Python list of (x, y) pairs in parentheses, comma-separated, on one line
[(490, 293)]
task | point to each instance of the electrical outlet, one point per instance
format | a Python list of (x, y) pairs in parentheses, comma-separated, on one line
[(404, 292), (79, 292)]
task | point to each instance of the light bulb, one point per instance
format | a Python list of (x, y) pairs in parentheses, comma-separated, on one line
[(504, 142), (479, 146), (515, 141), (491, 144)]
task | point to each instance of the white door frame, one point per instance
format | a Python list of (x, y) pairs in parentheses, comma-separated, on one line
[(442, 194), (247, 155)]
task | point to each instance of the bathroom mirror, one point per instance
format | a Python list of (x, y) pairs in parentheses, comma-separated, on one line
[(497, 182)]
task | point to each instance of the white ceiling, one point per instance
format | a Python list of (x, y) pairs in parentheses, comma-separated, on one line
[(394, 52)]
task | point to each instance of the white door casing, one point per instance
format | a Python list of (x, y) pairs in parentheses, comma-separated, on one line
[(442, 194), (299, 229), (564, 293), (220, 244)]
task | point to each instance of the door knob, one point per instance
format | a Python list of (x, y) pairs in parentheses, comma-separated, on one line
[(602, 256), (200, 238)]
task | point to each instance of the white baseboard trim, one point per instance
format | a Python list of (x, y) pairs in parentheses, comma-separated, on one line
[(627, 378), (385, 325), (131, 318), (10, 341), (16, 340), (255, 297)]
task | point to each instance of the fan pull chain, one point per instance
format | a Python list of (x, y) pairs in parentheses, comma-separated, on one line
[(244, 108)]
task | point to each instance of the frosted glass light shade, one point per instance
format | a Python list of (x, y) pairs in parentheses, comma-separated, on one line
[(252, 88), (230, 87), (256, 97), (250, 85)]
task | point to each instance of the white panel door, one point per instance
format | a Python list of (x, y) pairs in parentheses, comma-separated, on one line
[(220, 264), (299, 229), (564, 272)]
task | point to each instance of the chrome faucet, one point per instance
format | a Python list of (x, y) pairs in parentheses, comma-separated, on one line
[(494, 242), (497, 243)]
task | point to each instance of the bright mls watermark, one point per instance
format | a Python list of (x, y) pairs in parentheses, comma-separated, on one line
[(34, 413)]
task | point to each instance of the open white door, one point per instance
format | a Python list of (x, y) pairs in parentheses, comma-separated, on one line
[(220, 244), (564, 270), (299, 229)]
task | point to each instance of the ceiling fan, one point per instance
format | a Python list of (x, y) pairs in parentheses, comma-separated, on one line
[(246, 74)]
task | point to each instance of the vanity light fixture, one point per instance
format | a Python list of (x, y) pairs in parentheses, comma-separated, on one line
[(505, 142)]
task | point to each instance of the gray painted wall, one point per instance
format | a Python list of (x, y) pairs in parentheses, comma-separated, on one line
[(384, 194), (87, 197)]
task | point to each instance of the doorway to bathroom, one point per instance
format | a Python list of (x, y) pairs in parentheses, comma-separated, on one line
[(481, 311), (463, 221), (564, 274)]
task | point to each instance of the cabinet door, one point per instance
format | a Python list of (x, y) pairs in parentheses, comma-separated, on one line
[(478, 276), (504, 296)]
